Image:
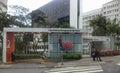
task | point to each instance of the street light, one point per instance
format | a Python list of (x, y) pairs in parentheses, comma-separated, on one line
[(61, 49)]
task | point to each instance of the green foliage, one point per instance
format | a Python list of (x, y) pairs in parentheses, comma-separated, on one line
[(103, 26), (60, 25), (27, 38), (76, 56), (7, 20), (117, 43), (71, 56), (38, 17), (27, 56), (44, 37), (18, 45), (21, 14)]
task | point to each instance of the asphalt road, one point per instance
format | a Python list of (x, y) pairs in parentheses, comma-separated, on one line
[(107, 68), (109, 65), (110, 68), (23, 70)]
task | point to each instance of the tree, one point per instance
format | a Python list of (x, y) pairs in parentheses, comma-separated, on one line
[(22, 19), (103, 26), (26, 39), (22, 14), (6, 20), (38, 17), (19, 45), (99, 25), (60, 25), (44, 38)]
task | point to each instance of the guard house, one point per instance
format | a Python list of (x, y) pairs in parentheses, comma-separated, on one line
[(73, 38)]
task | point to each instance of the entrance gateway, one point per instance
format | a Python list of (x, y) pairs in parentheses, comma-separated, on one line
[(68, 35)]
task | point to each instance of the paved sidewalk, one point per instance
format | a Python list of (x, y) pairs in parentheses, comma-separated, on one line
[(38, 63), (89, 62)]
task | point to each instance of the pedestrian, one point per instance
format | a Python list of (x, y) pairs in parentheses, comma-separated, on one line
[(97, 53), (93, 54)]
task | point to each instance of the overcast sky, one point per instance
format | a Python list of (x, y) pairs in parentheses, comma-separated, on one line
[(34, 4)]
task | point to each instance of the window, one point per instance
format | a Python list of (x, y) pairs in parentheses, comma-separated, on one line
[(104, 12)]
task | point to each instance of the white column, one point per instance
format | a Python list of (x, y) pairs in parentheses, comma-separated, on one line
[(76, 13), (80, 16), (4, 47), (49, 45), (73, 13)]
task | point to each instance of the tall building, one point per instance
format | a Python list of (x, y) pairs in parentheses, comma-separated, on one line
[(110, 9), (61, 10), (89, 16), (3, 6)]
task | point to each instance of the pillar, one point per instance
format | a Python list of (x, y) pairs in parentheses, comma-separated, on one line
[(8, 47)]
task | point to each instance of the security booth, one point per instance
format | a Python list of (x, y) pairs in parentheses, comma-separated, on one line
[(71, 40)]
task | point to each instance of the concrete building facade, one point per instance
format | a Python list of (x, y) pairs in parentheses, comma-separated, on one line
[(89, 16), (111, 10)]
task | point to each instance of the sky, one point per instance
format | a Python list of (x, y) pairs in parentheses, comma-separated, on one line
[(87, 5)]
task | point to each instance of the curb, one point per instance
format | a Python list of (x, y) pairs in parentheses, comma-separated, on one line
[(27, 67)]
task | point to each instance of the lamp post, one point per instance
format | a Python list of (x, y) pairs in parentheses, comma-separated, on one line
[(61, 49)]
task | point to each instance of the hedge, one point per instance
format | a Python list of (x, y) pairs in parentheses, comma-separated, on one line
[(27, 56), (71, 56)]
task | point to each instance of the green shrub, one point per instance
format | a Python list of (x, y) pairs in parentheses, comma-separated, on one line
[(76, 56), (71, 56), (27, 56)]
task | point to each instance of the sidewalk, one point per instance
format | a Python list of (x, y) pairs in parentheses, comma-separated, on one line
[(38, 63), (89, 62)]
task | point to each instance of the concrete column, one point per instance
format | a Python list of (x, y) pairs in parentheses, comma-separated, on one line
[(73, 13), (4, 47), (76, 13), (9, 46)]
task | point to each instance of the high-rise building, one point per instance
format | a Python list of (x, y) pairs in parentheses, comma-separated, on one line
[(62, 10), (3, 6), (110, 9), (89, 16)]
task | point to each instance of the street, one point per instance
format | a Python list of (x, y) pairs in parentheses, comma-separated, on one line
[(85, 65)]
